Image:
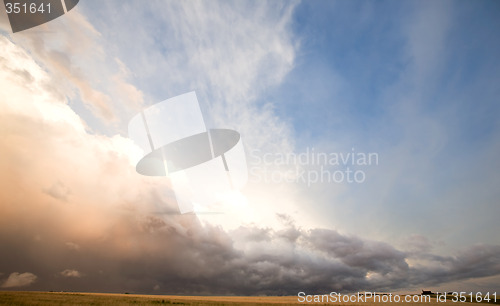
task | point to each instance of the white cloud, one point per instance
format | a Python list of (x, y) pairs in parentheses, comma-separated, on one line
[(17, 279), (77, 62), (30, 92), (71, 273)]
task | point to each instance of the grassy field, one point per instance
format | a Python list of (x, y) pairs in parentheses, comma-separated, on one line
[(67, 298)]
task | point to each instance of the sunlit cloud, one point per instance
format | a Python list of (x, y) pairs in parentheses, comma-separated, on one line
[(71, 273), (17, 279)]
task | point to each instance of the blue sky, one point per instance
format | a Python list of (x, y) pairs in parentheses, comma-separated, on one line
[(415, 82), (352, 55), (410, 77)]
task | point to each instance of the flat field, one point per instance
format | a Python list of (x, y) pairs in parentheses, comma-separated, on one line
[(71, 298)]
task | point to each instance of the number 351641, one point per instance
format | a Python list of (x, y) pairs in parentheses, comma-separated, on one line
[(27, 8)]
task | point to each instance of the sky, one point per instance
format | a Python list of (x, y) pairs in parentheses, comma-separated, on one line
[(412, 84)]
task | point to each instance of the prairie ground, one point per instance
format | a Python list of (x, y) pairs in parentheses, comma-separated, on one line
[(70, 298)]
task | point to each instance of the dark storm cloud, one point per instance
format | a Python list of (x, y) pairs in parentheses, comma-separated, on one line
[(475, 261), (176, 254)]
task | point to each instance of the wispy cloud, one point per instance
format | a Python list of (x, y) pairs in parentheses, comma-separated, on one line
[(222, 50)]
